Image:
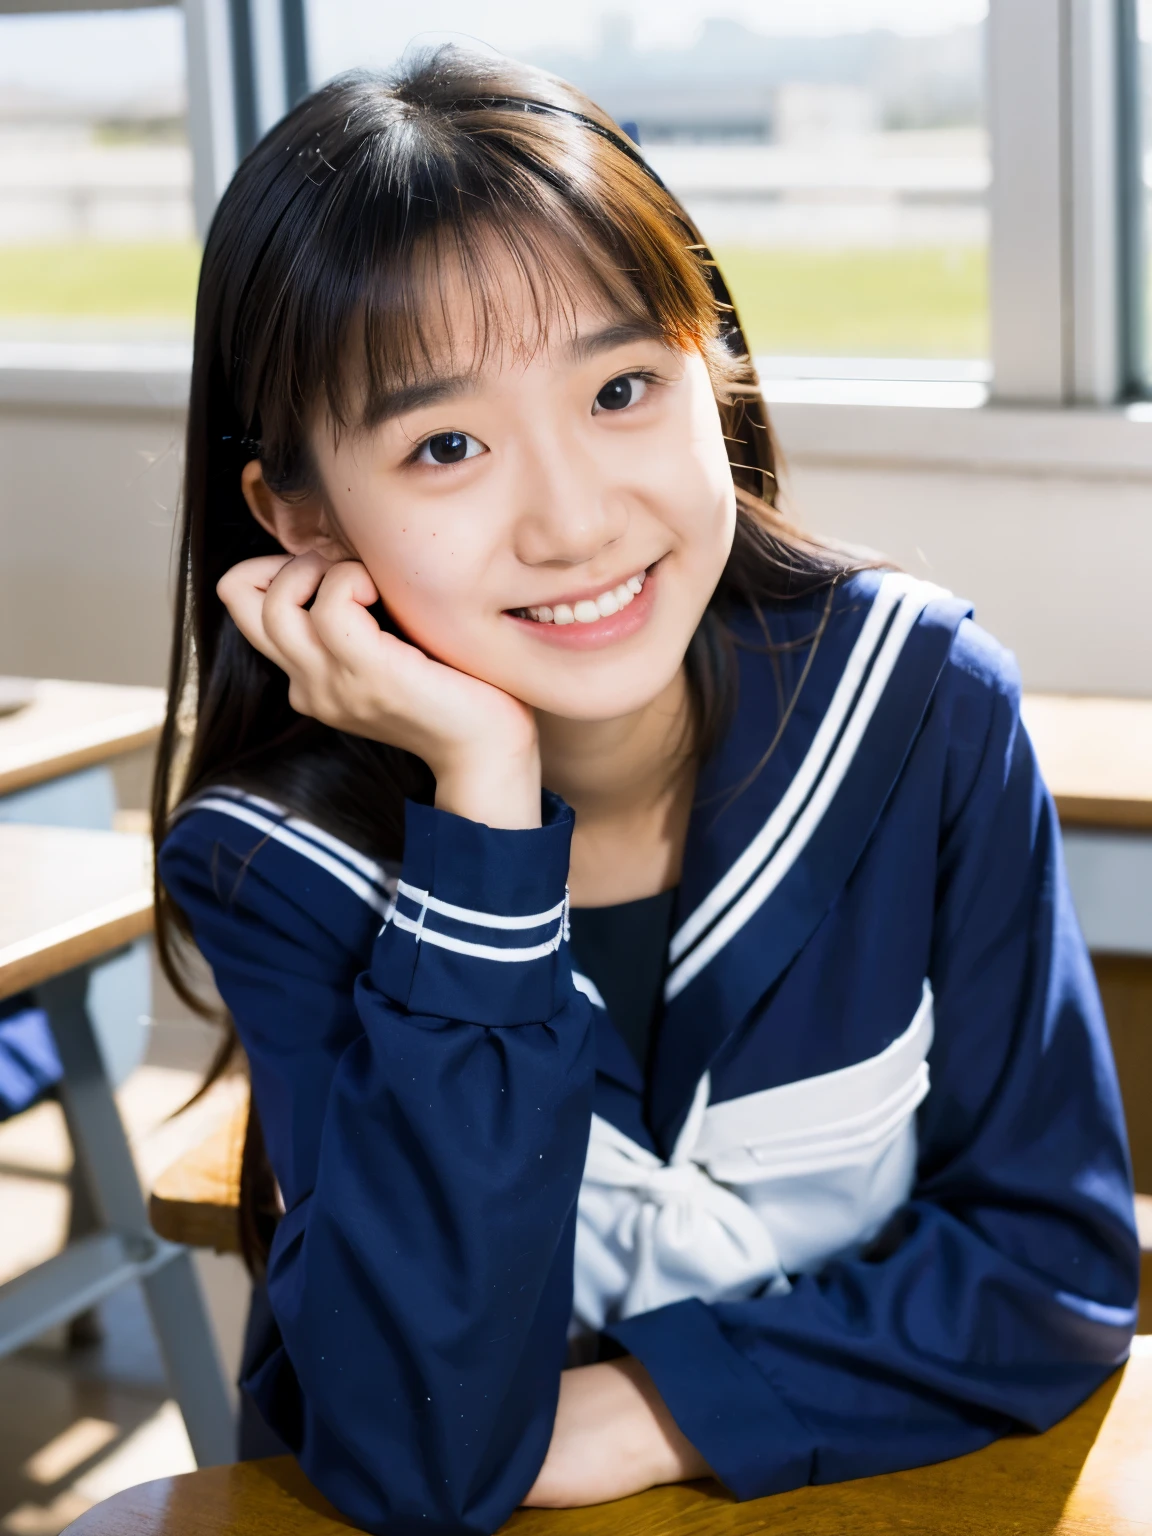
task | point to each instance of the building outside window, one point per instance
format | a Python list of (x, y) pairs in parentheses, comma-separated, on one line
[(834, 155)]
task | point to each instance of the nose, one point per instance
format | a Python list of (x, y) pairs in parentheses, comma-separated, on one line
[(570, 509)]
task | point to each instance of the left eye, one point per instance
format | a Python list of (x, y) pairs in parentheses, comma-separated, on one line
[(620, 393), (448, 448)]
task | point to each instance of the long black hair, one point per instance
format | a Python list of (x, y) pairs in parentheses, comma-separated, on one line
[(316, 270)]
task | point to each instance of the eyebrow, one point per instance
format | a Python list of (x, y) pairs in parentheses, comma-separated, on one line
[(581, 349)]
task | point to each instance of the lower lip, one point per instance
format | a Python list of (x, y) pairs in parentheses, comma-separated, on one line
[(606, 631)]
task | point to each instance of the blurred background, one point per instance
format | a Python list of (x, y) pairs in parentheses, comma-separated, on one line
[(933, 215)]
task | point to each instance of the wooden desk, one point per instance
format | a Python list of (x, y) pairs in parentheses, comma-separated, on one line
[(1096, 755), (68, 726), (1089, 1476), (68, 898)]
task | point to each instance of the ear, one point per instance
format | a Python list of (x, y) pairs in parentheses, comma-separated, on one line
[(299, 526)]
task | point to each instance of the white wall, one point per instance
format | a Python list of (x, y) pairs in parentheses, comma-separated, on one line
[(1056, 560), (87, 501), (1060, 570)]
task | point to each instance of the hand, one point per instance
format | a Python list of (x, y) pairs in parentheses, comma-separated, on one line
[(613, 1436), (345, 671)]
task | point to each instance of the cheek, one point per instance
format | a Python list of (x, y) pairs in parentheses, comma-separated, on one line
[(430, 573), (694, 482)]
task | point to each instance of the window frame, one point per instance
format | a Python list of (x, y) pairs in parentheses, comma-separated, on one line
[(1066, 266)]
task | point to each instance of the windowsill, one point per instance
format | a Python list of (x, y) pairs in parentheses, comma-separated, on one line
[(955, 427), (929, 423), (103, 375)]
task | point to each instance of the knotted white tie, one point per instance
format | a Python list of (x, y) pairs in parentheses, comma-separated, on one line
[(664, 1231), (757, 1188)]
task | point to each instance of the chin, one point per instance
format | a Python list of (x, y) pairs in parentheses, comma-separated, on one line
[(603, 698)]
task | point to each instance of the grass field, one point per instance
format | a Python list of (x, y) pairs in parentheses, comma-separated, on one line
[(94, 279), (862, 303), (895, 303)]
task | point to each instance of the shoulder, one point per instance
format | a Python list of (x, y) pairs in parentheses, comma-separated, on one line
[(881, 646), (889, 610), (237, 854)]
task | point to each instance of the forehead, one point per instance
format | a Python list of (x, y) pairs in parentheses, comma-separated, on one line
[(467, 308), (500, 304)]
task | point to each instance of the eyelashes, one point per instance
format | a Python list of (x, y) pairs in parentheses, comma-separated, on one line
[(622, 392)]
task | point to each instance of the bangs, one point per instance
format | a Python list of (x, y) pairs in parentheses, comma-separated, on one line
[(480, 293), (410, 205)]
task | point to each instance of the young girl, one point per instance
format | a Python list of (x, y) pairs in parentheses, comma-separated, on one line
[(667, 1021)]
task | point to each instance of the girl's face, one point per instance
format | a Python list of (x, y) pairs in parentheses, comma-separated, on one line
[(552, 522)]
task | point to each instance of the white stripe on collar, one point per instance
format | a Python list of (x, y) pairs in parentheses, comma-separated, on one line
[(744, 887), (369, 868), (321, 848)]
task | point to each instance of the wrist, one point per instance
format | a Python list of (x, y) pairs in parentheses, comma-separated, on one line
[(666, 1454), (499, 790)]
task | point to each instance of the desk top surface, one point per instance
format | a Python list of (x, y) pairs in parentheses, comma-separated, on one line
[(68, 896), (48, 728), (1096, 755), (1089, 1476)]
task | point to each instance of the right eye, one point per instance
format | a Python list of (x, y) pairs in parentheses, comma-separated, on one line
[(448, 448)]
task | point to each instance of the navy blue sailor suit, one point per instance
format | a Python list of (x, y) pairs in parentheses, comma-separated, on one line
[(872, 1207)]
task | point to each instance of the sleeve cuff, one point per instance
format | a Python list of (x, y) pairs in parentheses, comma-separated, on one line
[(479, 930), (722, 1403)]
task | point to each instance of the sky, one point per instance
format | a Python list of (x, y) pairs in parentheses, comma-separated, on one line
[(118, 55)]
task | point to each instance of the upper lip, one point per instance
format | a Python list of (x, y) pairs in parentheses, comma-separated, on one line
[(572, 598)]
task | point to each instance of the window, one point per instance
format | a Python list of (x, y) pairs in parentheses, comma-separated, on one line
[(96, 226), (1141, 297), (833, 154)]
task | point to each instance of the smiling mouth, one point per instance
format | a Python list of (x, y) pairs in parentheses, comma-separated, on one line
[(588, 610)]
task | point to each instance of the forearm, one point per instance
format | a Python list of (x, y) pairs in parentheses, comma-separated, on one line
[(613, 1436)]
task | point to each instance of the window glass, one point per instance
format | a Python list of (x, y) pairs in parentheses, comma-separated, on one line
[(96, 225), (1144, 229), (833, 153)]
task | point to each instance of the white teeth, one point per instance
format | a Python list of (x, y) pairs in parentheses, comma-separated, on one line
[(588, 609)]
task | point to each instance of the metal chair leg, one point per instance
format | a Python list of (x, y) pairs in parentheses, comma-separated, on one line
[(170, 1286)]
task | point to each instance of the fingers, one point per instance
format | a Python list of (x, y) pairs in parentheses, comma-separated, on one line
[(287, 623), (340, 613), (242, 590)]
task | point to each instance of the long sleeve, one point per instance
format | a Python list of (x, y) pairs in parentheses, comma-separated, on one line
[(1003, 1292), (427, 1116)]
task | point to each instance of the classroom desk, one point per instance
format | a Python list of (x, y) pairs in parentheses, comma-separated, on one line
[(1090, 1475), (1096, 755), (68, 898), (63, 727)]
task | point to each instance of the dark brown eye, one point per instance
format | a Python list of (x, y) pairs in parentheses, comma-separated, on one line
[(448, 447), (621, 392)]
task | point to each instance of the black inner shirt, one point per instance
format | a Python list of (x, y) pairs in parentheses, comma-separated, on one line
[(623, 951)]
